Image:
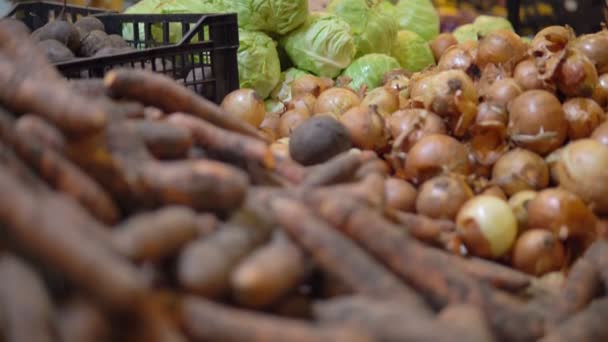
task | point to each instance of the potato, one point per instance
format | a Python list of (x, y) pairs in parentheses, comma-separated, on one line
[(85, 25), (117, 41), (60, 30), (93, 42), (317, 140), (55, 51)]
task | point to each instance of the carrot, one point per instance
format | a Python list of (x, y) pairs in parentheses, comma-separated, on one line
[(370, 190), (421, 227), (163, 140), (31, 85), (60, 235), (207, 321), (80, 320), (204, 266), (161, 91), (60, 172), (156, 235), (268, 273), (295, 305), (339, 256), (582, 285), (25, 305), (375, 165), (92, 87), (340, 168), (120, 110), (499, 276), (202, 184), (586, 326), (224, 143), (597, 253), (33, 126), (468, 321)]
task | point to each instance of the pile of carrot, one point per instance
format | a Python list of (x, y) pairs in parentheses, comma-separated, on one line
[(142, 212)]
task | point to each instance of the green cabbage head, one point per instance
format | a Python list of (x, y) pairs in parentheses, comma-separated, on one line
[(259, 66), (418, 16), (274, 16), (373, 28), (486, 24), (465, 33), (324, 45), (370, 70), (412, 51)]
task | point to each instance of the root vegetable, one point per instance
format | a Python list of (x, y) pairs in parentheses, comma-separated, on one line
[(87, 24), (436, 154), (61, 31), (519, 203), (268, 273), (576, 75), (538, 252), (220, 323), (519, 170), (229, 145), (79, 320), (37, 128), (600, 133), (408, 126), (25, 305), (156, 235), (336, 101), (441, 197), (94, 42), (586, 326), (246, 105), (366, 128), (117, 41), (400, 194), (145, 87), (441, 43), (383, 99), (338, 169), (583, 116), (317, 140), (165, 141), (55, 51), (502, 47)]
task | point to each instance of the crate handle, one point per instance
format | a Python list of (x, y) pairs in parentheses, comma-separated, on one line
[(185, 39)]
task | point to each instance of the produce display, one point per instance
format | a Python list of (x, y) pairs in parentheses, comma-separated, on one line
[(434, 187)]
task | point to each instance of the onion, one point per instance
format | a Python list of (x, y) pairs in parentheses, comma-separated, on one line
[(576, 76), (441, 197), (400, 195), (581, 169), (561, 212), (519, 170), (600, 94), (441, 43), (527, 76), (489, 134), (495, 191), (270, 125), (538, 252), (583, 116), (519, 204), (410, 125), (436, 154), (601, 133), (308, 85), (336, 101), (280, 148), (290, 120), (385, 100), (456, 58), (366, 128), (503, 47), (548, 49), (537, 121), (487, 226), (595, 47), (303, 102), (503, 91), (246, 105)]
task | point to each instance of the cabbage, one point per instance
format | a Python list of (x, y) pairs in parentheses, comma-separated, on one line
[(275, 16), (465, 33), (370, 70), (324, 45), (373, 29), (487, 24), (387, 7), (412, 51), (259, 66), (418, 16)]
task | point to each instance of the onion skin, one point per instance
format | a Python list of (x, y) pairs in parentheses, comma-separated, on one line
[(386, 101), (583, 116), (245, 104), (502, 47), (581, 169), (290, 120), (441, 43), (576, 76), (456, 58), (400, 194), (527, 76), (600, 95), (414, 124), (503, 91), (366, 128), (336, 101), (519, 204), (436, 154), (441, 197), (538, 252), (519, 170), (537, 121), (487, 226), (601, 133)]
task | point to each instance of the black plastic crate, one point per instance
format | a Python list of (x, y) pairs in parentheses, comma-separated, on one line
[(205, 59)]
